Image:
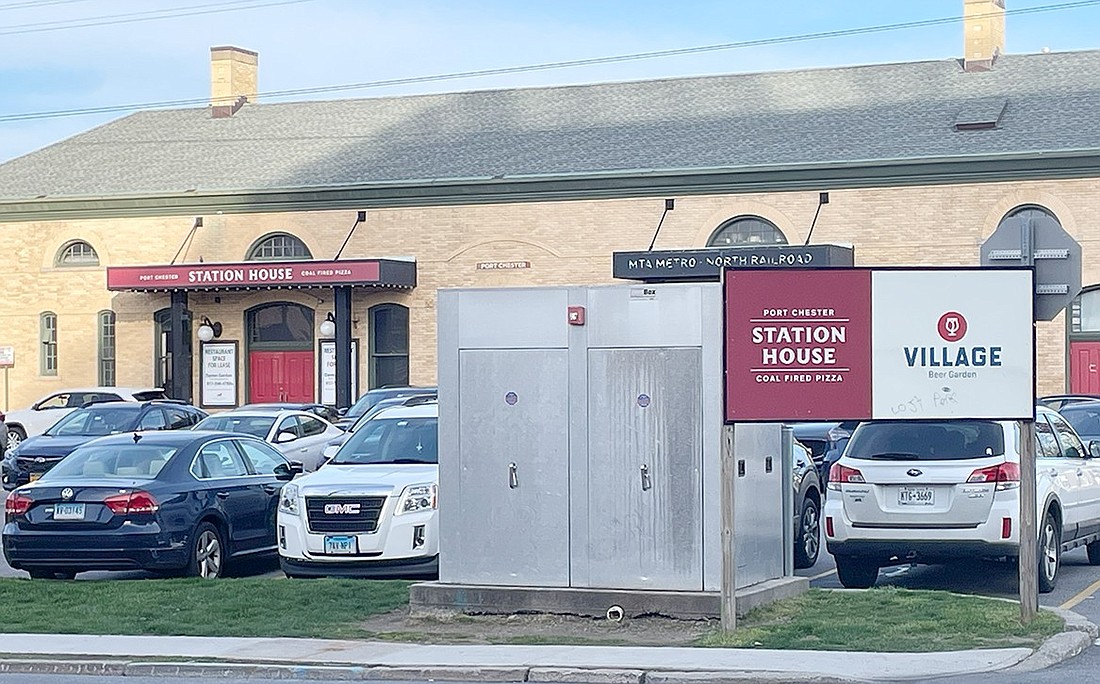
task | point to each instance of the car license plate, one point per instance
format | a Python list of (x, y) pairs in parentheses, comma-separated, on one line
[(341, 545), (35, 476), (69, 511), (916, 496)]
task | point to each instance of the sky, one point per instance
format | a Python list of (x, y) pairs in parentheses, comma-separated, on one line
[(77, 54)]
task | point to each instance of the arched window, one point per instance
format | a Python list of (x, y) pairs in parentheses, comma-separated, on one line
[(280, 325), (77, 253), (747, 230), (389, 345), (107, 348), (47, 351), (278, 247)]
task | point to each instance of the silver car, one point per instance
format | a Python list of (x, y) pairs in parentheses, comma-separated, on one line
[(299, 435)]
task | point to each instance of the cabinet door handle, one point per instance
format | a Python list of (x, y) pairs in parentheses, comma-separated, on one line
[(647, 484), (513, 476)]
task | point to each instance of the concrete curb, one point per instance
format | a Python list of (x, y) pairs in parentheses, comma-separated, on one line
[(1077, 636)]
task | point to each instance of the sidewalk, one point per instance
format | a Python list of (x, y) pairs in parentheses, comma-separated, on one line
[(210, 657)]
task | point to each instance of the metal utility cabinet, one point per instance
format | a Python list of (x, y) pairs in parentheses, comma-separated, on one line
[(580, 435)]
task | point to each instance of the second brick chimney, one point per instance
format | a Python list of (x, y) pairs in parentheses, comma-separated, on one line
[(983, 33)]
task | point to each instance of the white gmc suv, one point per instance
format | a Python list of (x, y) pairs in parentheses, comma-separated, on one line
[(937, 491), (371, 510)]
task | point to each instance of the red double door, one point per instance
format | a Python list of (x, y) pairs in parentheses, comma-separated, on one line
[(280, 376)]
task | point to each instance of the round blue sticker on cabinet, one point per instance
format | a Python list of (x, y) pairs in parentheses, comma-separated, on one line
[(643, 400), (511, 398)]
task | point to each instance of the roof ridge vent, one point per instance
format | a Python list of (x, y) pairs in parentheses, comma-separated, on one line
[(981, 114)]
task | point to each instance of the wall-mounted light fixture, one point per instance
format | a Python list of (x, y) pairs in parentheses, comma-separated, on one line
[(328, 326), (208, 331)]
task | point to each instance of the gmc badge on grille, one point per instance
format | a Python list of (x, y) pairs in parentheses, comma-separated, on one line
[(342, 509)]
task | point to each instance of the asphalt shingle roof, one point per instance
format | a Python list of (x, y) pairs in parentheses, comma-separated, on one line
[(865, 113)]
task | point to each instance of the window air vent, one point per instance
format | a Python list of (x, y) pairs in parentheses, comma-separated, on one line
[(980, 115)]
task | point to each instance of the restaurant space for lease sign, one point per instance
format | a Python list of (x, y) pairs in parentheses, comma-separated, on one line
[(873, 344)]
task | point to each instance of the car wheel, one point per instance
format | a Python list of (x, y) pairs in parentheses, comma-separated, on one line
[(207, 553), (856, 573), (808, 542), (15, 437), (1094, 553), (1050, 553), (50, 573)]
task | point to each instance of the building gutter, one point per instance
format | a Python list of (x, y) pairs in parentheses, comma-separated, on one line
[(622, 184)]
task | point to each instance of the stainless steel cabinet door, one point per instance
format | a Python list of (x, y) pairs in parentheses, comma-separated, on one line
[(644, 459), (513, 494)]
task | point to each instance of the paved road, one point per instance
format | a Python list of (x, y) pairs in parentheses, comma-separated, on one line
[(85, 679)]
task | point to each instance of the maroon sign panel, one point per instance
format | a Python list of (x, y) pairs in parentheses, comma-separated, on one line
[(252, 274), (798, 344)]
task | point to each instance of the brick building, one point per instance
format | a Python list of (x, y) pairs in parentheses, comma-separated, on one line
[(922, 161)]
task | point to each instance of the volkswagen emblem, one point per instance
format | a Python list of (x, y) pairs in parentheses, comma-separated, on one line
[(67, 493), (914, 472)]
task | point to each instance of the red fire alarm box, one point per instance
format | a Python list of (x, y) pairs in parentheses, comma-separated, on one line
[(576, 315)]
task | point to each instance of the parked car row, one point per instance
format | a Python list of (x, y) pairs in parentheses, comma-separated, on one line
[(129, 483)]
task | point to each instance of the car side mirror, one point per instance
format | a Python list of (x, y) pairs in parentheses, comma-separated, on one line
[(1094, 448), (284, 472), (284, 437), (296, 467)]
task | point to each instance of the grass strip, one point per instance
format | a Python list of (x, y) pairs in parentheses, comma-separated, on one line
[(886, 619), (324, 608)]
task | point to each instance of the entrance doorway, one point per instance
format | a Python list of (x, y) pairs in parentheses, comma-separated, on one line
[(280, 353)]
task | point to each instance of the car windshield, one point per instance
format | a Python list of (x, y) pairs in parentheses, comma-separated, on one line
[(946, 440), (125, 461), (1085, 418), (392, 440), (257, 426), (96, 421)]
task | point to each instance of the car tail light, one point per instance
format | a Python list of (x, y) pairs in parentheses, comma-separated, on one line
[(17, 504), (1006, 475), (133, 503), (838, 474)]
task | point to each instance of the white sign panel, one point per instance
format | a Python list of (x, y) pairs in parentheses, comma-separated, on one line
[(7, 357), (219, 374), (328, 372), (952, 344)]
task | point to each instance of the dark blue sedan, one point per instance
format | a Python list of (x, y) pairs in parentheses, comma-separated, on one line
[(176, 502)]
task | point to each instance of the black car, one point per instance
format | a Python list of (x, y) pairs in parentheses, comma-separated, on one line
[(368, 400), (36, 455), (180, 501), (826, 441), (1060, 401), (807, 506), (327, 412)]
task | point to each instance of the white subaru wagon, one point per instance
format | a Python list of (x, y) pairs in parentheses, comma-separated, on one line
[(371, 511), (942, 490)]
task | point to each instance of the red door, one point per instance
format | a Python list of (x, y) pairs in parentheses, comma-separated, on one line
[(1084, 367), (280, 376)]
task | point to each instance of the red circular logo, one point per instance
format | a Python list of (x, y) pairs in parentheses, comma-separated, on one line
[(952, 326)]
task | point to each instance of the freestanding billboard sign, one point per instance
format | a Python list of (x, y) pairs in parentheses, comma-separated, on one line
[(873, 344)]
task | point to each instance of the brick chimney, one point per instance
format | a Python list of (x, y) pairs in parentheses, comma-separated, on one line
[(232, 79), (983, 33)]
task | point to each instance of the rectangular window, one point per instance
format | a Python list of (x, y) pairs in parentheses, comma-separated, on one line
[(107, 348), (389, 346), (47, 362)]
